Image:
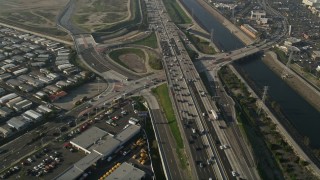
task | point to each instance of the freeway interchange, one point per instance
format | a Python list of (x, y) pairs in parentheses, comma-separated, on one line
[(215, 148)]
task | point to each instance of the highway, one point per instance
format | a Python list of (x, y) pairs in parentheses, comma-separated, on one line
[(181, 74)]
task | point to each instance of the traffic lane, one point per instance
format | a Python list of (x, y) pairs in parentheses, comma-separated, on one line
[(91, 59), (222, 155), (103, 64), (199, 153), (19, 147), (198, 147), (162, 126)]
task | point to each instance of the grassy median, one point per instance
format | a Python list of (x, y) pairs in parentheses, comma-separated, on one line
[(150, 41), (162, 95), (176, 12)]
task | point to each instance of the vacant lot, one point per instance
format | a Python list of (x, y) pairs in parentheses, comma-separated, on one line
[(34, 15), (130, 58), (95, 14)]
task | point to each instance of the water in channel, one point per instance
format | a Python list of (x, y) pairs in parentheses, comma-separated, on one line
[(299, 112)]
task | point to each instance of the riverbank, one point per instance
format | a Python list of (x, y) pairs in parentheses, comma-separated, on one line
[(225, 22), (311, 95)]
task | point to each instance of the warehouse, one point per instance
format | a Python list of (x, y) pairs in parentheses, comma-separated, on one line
[(5, 111), (5, 130), (99, 145), (13, 101), (88, 138), (126, 171), (32, 115), (7, 97), (17, 122), (43, 109), (20, 71), (13, 83), (22, 105)]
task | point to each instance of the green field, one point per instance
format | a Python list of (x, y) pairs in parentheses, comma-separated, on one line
[(176, 12), (154, 61), (150, 41)]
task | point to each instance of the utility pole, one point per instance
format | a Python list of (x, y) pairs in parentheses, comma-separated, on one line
[(263, 99), (211, 35), (291, 50)]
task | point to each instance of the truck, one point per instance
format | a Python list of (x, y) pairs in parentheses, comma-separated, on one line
[(214, 114)]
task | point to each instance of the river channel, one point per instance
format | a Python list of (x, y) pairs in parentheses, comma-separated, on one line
[(298, 111)]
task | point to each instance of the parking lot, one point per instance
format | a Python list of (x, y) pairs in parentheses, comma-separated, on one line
[(57, 156)]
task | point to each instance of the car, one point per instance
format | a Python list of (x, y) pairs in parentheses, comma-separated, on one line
[(30, 160), (201, 164), (221, 147), (193, 130), (115, 118), (234, 173)]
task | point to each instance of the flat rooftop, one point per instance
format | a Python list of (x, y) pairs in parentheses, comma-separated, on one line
[(128, 132), (126, 172), (88, 137)]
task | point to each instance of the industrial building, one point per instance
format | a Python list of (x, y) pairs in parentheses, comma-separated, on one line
[(315, 55), (126, 171), (258, 14), (32, 115), (7, 97), (5, 130), (249, 30), (98, 144), (5, 112), (22, 105), (18, 122), (88, 138)]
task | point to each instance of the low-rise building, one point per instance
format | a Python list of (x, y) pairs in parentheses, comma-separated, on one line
[(22, 105), (18, 123), (98, 144), (5, 111), (249, 30), (32, 115), (315, 55), (126, 171), (7, 97), (6, 130)]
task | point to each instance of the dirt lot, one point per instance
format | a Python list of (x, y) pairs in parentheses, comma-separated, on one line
[(93, 14), (37, 15), (134, 62), (296, 83)]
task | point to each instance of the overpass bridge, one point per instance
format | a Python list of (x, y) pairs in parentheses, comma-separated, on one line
[(208, 63)]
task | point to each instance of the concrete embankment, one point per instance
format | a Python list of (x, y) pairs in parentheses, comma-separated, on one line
[(305, 90), (232, 28), (282, 129)]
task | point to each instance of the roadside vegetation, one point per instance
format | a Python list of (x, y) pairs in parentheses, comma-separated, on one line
[(162, 95), (176, 13), (154, 61), (150, 41), (274, 156), (201, 44)]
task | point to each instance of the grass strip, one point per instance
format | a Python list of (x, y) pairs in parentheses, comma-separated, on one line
[(176, 12), (162, 95), (150, 41)]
